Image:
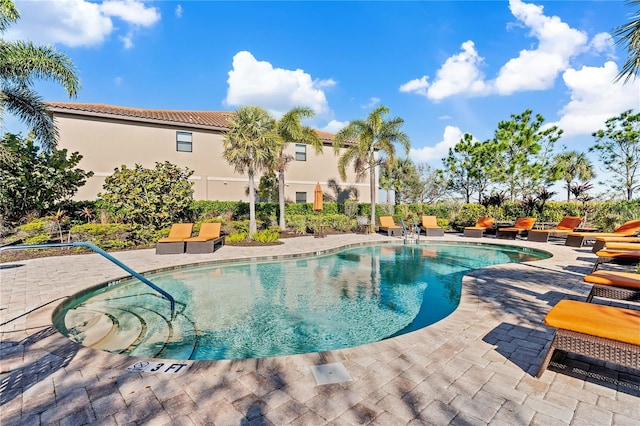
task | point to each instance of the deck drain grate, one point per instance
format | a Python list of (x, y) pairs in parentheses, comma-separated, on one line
[(330, 373)]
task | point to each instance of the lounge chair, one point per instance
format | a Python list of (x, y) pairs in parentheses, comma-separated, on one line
[(614, 285), (521, 227), (567, 224), (480, 228), (627, 229), (207, 239), (175, 242), (430, 227), (388, 225), (616, 256), (617, 242), (602, 332)]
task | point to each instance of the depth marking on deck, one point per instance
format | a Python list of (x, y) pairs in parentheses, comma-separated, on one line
[(158, 367)]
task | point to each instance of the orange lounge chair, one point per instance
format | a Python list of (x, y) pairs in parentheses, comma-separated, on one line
[(603, 332), (430, 227), (627, 229), (175, 242), (614, 285), (617, 242), (207, 239), (627, 257), (479, 229), (567, 224), (522, 226), (388, 225)]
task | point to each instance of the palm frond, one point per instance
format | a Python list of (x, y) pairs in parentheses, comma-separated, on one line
[(628, 35), (28, 107)]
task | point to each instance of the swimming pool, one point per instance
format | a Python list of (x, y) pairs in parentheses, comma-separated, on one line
[(256, 309)]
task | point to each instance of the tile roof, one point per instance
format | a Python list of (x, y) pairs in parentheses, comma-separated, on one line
[(208, 119)]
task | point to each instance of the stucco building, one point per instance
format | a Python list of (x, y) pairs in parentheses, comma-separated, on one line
[(111, 136)]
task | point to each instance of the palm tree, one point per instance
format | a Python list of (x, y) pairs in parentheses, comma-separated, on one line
[(289, 130), (250, 146), (570, 165), (629, 35), (20, 63), (362, 139)]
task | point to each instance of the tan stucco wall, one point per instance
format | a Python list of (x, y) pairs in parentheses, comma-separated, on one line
[(106, 144)]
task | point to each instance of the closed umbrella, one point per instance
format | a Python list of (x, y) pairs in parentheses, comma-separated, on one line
[(317, 199)]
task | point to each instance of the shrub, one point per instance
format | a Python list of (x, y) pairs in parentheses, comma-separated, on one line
[(266, 236), (341, 222), (468, 215), (351, 208), (297, 222), (236, 237), (113, 236)]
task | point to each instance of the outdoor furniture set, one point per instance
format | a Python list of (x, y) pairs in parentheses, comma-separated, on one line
[(181, 241)]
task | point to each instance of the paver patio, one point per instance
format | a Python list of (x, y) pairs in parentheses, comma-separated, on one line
[(475, 367)]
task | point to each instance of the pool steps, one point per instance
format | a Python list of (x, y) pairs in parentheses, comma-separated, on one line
[(131, 326)]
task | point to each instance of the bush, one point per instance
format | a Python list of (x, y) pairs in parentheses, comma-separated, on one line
[(113, 236), (468, 215), (266, 236), (236, 237), (351, 208), (297, 222)]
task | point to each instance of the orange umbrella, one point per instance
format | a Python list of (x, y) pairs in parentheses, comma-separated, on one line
[(317, 199)]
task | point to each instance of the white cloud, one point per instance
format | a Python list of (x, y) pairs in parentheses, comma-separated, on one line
[(76, 23), (178, 11), (334, 126), (537, 69), (603, 43), (595, 98), (253, 82), (451, 137), (131, 11), (418, 86), (372, 102)]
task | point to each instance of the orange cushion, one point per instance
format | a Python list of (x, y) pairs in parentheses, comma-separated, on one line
[(618, 239), (387, 222), (484, 222), (429, 222), (593, 234), (181, 230), (524, 223), (569, 223), (620, 279), (622, 246), (171, 240), (628, 228), (622, 325), (619, 254)]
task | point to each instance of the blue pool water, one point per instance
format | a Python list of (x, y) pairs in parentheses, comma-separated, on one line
[(259, 309)]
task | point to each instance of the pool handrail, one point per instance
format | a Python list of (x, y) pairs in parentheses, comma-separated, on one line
[(106, 256)]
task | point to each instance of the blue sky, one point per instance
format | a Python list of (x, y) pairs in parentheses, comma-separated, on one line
[(445, 67)]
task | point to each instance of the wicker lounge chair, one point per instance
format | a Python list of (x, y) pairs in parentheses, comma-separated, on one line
[(430, 227), (480, 228), (207, 240), (602, 332), (521, 227), (615, 242), (614, 285), (627, 229), (567, 224), (388, 225), (616, 256), (174, 243)]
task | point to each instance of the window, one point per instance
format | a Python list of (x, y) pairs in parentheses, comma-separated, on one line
[(184, 142), (301, 152), (301, 197)]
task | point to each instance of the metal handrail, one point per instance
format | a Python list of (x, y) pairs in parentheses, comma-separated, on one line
[(106, 256)]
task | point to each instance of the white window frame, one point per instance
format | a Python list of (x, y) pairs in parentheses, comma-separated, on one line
[(182, 144), (301, 152), (299, 198)]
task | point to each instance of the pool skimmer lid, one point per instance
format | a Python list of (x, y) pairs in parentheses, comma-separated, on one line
[(330, 373)]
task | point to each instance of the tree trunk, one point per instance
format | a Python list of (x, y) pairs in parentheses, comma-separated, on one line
[(372, 185), (252, 206), (283, 225)]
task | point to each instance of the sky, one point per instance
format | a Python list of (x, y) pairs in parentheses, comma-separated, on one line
[(445, 67)]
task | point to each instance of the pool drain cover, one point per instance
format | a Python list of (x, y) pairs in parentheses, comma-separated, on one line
[(330, 373)]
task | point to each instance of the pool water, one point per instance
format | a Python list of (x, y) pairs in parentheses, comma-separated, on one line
[(260, 309)]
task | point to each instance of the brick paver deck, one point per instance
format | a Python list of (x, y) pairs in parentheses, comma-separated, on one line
[(477, 366)]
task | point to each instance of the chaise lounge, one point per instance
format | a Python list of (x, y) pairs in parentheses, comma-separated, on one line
[(567, 224), (614, 285), (616, 256), (430, 227), (627, 229), (207, 239), (521, 227), (388, 225), (477, 231), (616, 243), (602, 332), (175, 242)]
